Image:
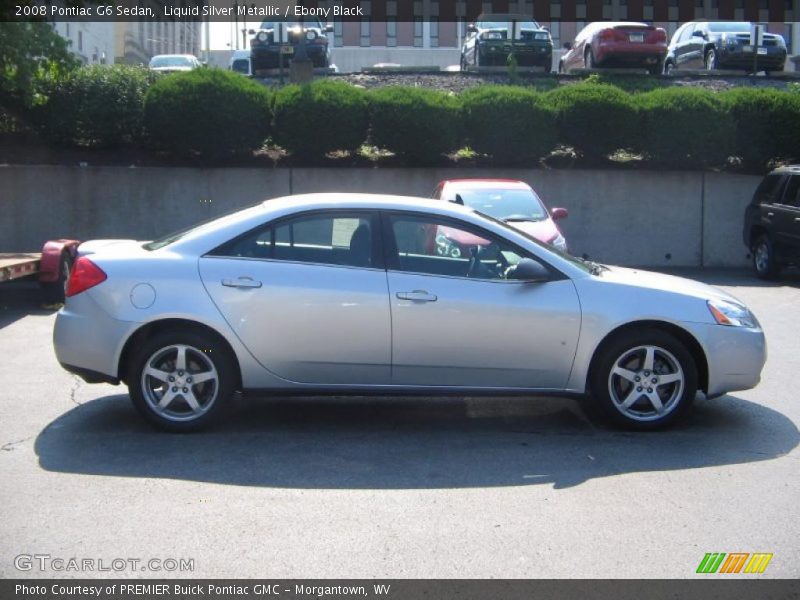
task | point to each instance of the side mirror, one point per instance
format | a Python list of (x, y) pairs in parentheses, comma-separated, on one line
[(471, 28), (567, 45), (251, 32), (528, 270), (699, 34), (328, 28), (459, 200), (559, 213)]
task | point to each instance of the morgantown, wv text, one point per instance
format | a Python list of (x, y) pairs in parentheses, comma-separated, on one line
[(184, 590)]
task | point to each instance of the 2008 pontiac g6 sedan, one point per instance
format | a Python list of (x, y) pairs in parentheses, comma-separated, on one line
[(357, 294)]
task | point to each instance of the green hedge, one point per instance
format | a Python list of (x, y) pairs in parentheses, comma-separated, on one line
[(211, 112), (595, 119), (96, 105), (686, 127), (767, 124), (321, 117), (417, 124), (511, 124)]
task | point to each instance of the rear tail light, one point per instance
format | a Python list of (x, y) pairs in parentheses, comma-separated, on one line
[(658, 36), (85, 274)]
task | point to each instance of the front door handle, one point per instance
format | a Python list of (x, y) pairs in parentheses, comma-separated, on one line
[(241, 282), (417, 296)]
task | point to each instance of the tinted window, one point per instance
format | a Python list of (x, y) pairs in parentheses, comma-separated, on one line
[(768, 189), (439, 247), (792, 194), (729, 27), (344, 240)]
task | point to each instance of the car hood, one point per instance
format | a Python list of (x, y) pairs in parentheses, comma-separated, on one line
[(545, 230), (666, 283)]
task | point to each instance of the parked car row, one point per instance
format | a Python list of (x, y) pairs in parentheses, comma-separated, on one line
[(695, 45)]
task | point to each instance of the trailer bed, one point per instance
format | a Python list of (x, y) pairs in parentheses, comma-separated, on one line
[(14, 265)]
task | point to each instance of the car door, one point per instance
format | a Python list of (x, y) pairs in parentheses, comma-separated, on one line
[(307, 296), (787, 219), (456, 319), (693, 48)]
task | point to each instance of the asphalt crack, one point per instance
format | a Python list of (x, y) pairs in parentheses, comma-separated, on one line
[(76, 384), (11, 446)]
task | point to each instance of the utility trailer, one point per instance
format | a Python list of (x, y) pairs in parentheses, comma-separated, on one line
[(51, 266)]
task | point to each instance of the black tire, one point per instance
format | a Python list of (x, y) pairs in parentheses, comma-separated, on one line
[(462, 63), (588, 59), (211, 396), (669, 67), (561, 67), (710, 60), (54, 292), (671, 359), (764, 262)]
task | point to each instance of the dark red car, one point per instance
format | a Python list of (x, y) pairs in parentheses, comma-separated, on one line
[(616, 44), (507, 200)]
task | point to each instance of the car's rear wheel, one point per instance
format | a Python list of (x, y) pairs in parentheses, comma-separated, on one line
[(180, 380), (588, 59), (55, 291), (764, 258), (644, 380), (561, 67), (711, 60), (463, 63)]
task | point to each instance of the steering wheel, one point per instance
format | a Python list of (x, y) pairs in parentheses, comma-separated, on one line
[(479, 270)]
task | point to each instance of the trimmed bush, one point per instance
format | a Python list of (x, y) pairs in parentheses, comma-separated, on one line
[(212, 112), (767, 123), (686, 127), (417, 124), (314, 119), (98, 105), (511, 124), (595, 119)]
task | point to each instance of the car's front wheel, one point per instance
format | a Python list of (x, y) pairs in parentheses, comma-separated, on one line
[(764, 258), (644, 379), (179, 380), (711, 60), (588, 59)]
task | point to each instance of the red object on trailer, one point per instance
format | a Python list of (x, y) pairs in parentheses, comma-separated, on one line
[(52, 265)]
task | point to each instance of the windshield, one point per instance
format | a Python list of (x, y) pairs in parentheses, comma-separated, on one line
[(729, 27), (505, 24), (291, 24), (504, 204), (171, 61)]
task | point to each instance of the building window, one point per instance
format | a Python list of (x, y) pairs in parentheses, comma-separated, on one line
[(365, 26), (391, 31), (434, 24), (338, 38), (418, 31)]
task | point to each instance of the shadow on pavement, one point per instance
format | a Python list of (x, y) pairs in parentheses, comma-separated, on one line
[(18, 299), (405, 443)]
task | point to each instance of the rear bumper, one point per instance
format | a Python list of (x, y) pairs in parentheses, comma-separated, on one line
[(646, 55), (269, 57), (526, 54)]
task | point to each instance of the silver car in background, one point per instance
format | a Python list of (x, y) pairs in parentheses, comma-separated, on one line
[(353, 294)]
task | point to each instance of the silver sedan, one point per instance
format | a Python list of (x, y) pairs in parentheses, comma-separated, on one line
[(357, 294)]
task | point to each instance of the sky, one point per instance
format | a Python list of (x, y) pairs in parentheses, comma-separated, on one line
[(222, 33)]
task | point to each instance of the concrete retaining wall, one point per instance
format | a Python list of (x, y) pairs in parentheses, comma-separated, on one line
[(646, 218)]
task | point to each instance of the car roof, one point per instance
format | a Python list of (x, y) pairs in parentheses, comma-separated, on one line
[(356, 201), (485, 183), (504, 17), (787, 169)]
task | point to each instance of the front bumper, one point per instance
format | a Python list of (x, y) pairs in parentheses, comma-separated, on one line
[(735, 356), (496, 53), (739, 58), (270, 57)]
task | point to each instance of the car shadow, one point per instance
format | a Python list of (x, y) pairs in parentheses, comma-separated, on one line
[(18, 299), (405, 443)]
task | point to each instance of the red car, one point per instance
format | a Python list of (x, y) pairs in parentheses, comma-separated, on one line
[(605, 44), (508, 200)]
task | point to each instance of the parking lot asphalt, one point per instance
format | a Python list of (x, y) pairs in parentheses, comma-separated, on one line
[(400, 487)]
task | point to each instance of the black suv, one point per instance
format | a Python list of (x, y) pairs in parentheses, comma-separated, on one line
[(722, 45), (269, 51), (772, 222)]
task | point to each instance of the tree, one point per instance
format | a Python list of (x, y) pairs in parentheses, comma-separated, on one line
[(30, 54)]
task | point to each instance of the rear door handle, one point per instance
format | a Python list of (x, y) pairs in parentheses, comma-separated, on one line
[(417, 296), (241, 282)]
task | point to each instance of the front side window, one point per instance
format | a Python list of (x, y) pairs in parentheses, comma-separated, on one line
[(768, 190), (440, 247), (342, 240)]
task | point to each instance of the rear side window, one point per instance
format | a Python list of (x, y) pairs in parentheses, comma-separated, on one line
[(342, 240), (768, 190), (792, 194)]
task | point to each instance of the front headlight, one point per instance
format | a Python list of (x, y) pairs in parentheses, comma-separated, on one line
[(542, 36), (492, 35), (732, 315), (311, 35), (559, 242)]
